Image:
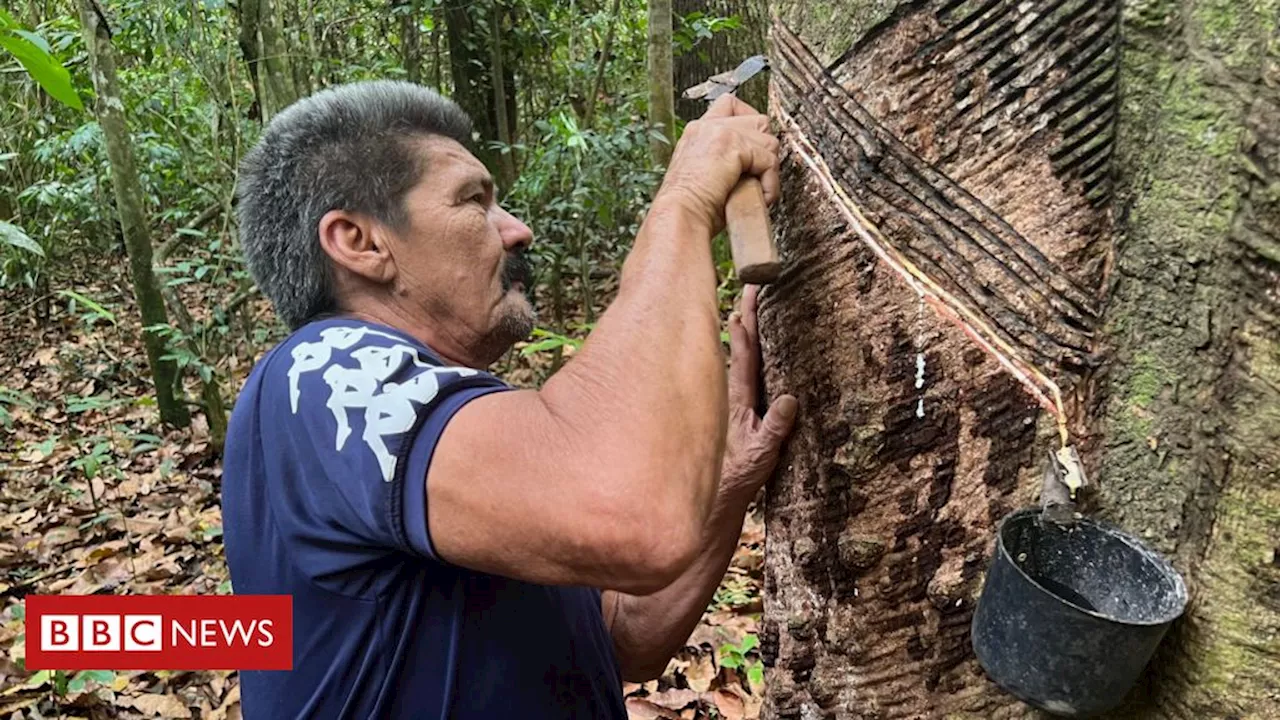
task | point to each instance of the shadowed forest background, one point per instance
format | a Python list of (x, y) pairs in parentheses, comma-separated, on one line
[(98, 495)]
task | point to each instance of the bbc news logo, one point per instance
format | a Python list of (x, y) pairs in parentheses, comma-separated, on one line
[(159, 632)]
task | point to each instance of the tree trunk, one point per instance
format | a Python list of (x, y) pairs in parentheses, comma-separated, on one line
[(265, 54), (129, 205), (411, 39), (661, 92), (248, 12), (1092, 209), (722, 51), (469, 61), (497, 71), (597, 85), (275, 56), (301, 62)]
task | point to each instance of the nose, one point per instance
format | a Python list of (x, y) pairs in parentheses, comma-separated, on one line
[(513, 232)]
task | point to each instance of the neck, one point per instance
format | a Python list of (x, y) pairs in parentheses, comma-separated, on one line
[(422, 329)]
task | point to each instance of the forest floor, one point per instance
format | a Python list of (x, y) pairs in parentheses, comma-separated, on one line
[(96, 498)]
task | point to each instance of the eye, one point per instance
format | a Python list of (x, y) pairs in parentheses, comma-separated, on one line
[(479, 198)]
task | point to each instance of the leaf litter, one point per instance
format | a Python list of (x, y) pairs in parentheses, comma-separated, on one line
[(95, 497)]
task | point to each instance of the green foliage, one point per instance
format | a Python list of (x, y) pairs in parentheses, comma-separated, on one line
[(94, 310), (15, 236), (696, 27), (36, 57), (546, 340), (736, 657), (11, 398)]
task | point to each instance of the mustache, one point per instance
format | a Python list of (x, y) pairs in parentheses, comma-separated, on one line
[(517, 269)]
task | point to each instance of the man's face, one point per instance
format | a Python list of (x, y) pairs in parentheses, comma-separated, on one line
[(461, 257)]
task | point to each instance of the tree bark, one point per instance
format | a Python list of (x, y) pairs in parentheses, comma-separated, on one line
[(251, 48), (597, 85), (661, 92), (722, 51), (279, 78), (497, 72), (411, 40), (1100, 205), (129, 205), (265, 54), (470, 63)]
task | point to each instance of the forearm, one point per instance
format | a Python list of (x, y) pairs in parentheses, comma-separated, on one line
[(649, 385), (648, 630)]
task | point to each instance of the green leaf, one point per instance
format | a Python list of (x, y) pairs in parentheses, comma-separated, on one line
[(542, 345), (38, 679), (749, 643), (46, 447), (34, 39), (98, 310), (102, 677), (16, 237), (41, 66), (755, 674)]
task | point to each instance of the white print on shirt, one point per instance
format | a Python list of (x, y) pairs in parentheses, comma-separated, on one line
[(388, 406)]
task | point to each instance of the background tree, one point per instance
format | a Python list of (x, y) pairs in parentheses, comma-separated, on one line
[(1100, 204), (661, 90), (713, 37), (129, 205)]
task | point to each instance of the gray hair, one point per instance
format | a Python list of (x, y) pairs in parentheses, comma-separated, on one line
[(344, 148)]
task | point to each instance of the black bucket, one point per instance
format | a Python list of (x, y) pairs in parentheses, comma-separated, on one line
[(1069, 616)]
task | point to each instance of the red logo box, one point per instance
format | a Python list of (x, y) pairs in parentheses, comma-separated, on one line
[(159, 632)]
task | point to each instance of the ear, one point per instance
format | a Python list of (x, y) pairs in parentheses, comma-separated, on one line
[(355, 242)]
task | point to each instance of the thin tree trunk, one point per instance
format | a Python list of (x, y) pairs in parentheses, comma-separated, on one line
[(598, 84), (1002, 148), (279, 77), (437, 29), (497, 74), (129, 204), (661, 94), (469, 67), (300, 64), (249, 12), (411, 40)]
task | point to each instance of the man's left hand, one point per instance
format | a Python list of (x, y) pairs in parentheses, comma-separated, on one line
[(753, 444)]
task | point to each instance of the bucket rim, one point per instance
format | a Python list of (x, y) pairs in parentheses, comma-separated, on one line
[(1180, 586)]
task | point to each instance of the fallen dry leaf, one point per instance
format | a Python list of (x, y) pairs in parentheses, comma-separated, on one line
[(700, 673), (640, 709), (230, 707), (729, 704), (674, 698), (152, 705)]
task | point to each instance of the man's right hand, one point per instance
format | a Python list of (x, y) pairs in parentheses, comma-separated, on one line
[(729, 141)]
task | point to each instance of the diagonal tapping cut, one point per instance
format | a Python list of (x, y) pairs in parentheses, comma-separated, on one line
[(1044, 390)]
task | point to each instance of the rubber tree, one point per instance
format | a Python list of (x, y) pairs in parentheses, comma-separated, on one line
[(1004, 221), (661, 88), (109, 109)]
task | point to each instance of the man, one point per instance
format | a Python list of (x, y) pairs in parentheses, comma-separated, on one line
[(456, 548)]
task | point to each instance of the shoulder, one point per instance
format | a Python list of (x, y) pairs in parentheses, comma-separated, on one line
[(349, 385), (360, 360)]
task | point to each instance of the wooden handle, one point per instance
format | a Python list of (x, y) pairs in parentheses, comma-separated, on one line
[(755, 254)]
